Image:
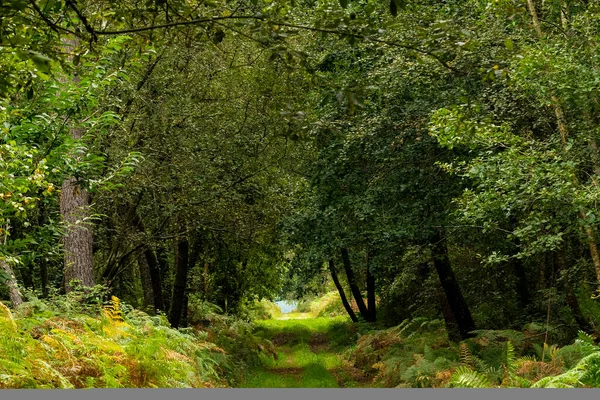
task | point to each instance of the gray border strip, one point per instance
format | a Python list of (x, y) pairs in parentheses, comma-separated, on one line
[(300, 394)]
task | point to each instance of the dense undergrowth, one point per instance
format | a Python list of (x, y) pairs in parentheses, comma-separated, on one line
[(80, 342), (417, 353)]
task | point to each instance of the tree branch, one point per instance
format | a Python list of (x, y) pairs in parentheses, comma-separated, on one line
[(289, 25), (88, 27), (180, 23), (370, 39), (51, 24)]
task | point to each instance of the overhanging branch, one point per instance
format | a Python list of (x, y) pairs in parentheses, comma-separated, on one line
[(180, 23), (92, 31)]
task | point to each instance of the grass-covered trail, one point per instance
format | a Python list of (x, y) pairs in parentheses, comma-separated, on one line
[(308, 354)]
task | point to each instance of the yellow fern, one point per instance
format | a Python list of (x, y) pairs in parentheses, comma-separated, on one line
[(58, 346), (7, 317), (112, 312)]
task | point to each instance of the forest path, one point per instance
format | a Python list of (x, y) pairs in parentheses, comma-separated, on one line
[(308, 354)]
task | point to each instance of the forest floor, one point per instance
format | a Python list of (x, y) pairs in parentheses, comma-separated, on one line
[(308, 355)]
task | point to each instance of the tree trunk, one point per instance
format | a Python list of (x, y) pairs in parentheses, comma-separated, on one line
[(42, 220), (451, 288), (163, 267), (205, 280), (543, 266), (534, 17), (13, 290), (152, 265), (570, 296), (146, 281), (523, 295), (181, 272), (371, 307), (155, 279), (11, 281), (184, 309), (594, 252), (452, 327), (74, 202), (522, 285), (340, 289), (78, 241), (194, 255), (26, 272), (44, 277), (595, 155), (423, 271), (353, 285)]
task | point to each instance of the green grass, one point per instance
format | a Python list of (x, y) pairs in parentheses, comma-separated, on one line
[(304, 356), (295, 315), (313, 375), (330, 360), (302, 328), (317, 376), (267, 379)]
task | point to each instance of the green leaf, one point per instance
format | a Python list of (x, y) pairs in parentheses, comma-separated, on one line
[(3, 277), (41, 61), (344, 3), (508, 43)]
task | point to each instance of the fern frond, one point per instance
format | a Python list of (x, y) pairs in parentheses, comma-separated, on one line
[(467, 378), (583, 337), (413, 325), (586, 372), (466, 357), (521, 382), (113, 311), (511, 359), (479, 364), (524, 359), (8, 316)]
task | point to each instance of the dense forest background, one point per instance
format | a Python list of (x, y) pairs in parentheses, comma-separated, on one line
[(424, 159)]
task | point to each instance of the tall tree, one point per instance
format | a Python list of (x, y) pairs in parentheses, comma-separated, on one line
[(75, 211)]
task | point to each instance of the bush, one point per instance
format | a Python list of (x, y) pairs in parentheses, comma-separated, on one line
[(200, 311), (260, 310), (328, 305)]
